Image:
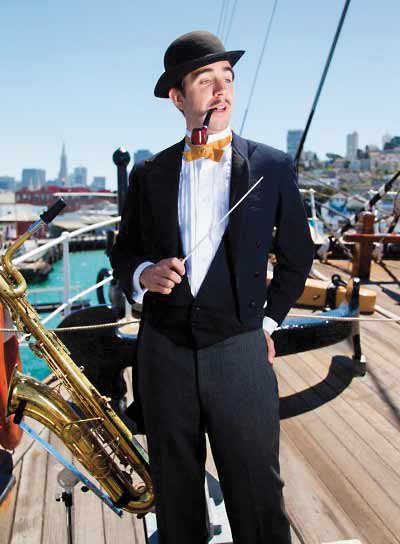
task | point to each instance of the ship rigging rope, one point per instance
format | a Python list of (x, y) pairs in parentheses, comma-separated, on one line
[(222, 16), (304, 316), (325, 195), (376, 220), (320, 86), (356, 196), (267, 33), (333, 234), (228, 30)]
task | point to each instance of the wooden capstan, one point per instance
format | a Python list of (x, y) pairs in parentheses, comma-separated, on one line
[(364, 239)]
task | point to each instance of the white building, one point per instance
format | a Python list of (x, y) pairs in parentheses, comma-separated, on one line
[(33, 178), (99, 183), (79, 177), (352, 145), (293, 141), (385, 139), (7, 183)]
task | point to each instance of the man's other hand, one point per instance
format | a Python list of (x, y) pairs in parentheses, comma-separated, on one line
[(270, 347), (163, 276)]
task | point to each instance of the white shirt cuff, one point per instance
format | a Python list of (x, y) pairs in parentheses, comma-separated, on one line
[(138, 291), (269, 325)]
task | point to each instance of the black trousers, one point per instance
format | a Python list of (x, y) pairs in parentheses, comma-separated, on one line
[(230, 391)]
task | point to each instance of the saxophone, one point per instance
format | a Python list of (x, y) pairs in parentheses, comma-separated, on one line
[(87, 425)]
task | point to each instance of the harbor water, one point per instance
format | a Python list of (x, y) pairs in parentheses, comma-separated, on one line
[(84, 266)]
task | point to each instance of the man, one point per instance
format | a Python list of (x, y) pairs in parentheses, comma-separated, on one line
[(205, 352)]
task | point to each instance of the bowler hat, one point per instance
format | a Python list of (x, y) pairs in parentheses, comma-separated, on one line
[(189, 52)]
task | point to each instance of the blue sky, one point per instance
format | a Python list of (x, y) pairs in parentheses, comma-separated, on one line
[(84, 71)]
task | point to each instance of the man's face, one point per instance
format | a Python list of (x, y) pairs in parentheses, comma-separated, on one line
[(205, 88)]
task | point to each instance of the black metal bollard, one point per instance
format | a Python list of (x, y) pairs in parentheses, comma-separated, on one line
[(121, 159)]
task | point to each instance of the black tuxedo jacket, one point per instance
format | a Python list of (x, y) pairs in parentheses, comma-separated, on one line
[(149, 227)]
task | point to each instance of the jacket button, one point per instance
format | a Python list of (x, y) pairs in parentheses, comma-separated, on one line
[(257, 274), (252, 303), (258, 243)]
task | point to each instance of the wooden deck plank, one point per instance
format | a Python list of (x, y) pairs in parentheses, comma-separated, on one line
[(363, 390), (123, 530), (379, 366), (28, 522), (138, 529), (354, 396), (54, 525), (350, 498), (8, 507), (354, 440), (358, 510), (27, 441), (296, 539), (327, 430), (383, 336), (88, 514), (311, 507), (365, 434), (342, 364), (376, 366), (387, 293)]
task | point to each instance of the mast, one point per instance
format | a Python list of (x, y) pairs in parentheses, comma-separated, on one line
[(321, 84)]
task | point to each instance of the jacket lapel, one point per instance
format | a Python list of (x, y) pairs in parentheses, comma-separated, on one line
[(163, 184), (240, 182)]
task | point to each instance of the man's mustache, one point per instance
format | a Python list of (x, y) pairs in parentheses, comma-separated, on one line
[(216, 104)]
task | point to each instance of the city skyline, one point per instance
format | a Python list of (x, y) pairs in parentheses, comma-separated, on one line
[(293, 137), (290, 137), (88, 81), (35, 178)]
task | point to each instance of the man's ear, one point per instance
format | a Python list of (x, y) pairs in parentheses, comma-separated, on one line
[(176, 97)]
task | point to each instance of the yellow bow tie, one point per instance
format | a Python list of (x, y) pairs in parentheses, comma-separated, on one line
[(213, 150)]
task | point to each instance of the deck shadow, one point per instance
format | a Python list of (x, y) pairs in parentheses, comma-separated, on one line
[(391, 294), (321, 393), (7, 480)]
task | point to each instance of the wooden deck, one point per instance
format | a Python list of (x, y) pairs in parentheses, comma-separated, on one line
[(340, 448)]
